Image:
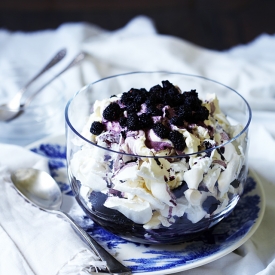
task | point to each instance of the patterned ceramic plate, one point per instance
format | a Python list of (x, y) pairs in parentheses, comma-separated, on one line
[(228, 235)]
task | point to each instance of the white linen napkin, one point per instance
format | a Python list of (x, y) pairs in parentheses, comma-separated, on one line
[(34, 241)]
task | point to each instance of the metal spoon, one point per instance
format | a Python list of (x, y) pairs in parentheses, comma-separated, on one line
[(40, 189), (7, 114), (15, 102)]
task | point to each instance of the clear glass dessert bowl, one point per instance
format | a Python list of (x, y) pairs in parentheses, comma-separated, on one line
[(157, 157)]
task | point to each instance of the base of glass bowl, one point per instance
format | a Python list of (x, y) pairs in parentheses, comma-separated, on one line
[(181, 231)]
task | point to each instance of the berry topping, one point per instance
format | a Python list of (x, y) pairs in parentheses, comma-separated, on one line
[(156, 89), (201, 114), (112, 112), (161, 130), (97, 128), (145, 121), (185, 112), (134, 95), (133, 122), (133, 107), (154, 111), (167, 84), (178, 140), (123, 122), (177, 120), (172, 107)]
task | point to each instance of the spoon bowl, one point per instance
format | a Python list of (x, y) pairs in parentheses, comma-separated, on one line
[(14, 108), (40, 189)]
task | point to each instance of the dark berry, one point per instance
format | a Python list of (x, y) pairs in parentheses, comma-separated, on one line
[(145, 121), (133, 122), (134, 107), (156, 89), (169, 100), (170, 96), (178, 140), (192, 100), (150, 101), (160, 130), (141, 96), (97, 128), (173, 91), (112, 112), (185, 112), (134, 95), (154, 111), (123, 122), (180, 99), (201, 114), (177, 120), (167, 84)]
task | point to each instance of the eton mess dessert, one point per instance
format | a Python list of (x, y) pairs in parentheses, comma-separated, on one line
[(159, 159)]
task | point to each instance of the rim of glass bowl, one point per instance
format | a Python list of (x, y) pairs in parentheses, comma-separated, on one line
[(155, 72)]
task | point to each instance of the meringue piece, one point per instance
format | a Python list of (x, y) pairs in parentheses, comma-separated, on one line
[(89, 171), (176, 210), (155, 172), (195, 213), (154, 223), (136, 210), (229, 174), (177, 171), (154, 169), (201, 132), (193, 196), (160, 190), (211, 178), (202, 171), (129, 171), (135, 144), (192, 142), (193, 177), (139, 192)]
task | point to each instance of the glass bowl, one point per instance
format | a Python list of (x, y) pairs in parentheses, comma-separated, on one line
[(158, 198), (43, 117)]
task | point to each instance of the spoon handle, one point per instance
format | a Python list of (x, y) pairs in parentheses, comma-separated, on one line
[(76, 60), (112, 264), (15, 102)]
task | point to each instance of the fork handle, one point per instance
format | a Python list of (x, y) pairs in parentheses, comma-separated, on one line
[(16, 100), (79, 57), (112, 264)]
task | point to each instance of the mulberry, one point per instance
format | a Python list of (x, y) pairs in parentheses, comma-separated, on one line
[(177, 140), (97, 128), (112, 112), (161, 130)]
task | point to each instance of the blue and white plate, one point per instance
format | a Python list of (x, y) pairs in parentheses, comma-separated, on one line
[(228, 235)]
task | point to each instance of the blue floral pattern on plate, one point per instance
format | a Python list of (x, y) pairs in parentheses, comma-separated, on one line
[(222, 239)]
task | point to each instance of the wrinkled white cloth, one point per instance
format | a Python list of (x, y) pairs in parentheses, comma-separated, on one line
[(249, 69), (34, 241)]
